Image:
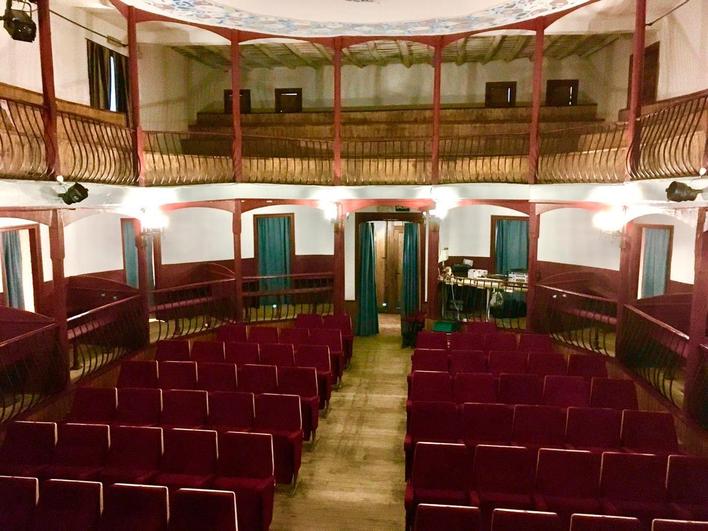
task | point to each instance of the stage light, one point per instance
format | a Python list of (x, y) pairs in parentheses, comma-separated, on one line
[(18, 23), (74, 194), (679, 192)]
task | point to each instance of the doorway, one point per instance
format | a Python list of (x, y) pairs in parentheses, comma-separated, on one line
[(654, 260), (20, 267)]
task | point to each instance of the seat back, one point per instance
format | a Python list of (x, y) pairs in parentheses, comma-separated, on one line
[(568, 473), (487, 423), (514, 520), (258, 378), (428, 339), (18, 499), (465, 341), (434, 421), (431, 386), (427, 359), (316, 356), (189, 451), (587, 365), (135, 448), (129, 507), (615, 393), (536, 342), (649, 431), (208, 351), (232, 333), (217, 376), (279, 354), (203, 510), (308, 320), (28, 443), (76, 505), (544, 363), (595, 522), (172, 350), (588, 427), (94, 404), (82, 444), (481, 327), (294, 336), (475, 387), (633, 477), (232, 410), (262, 334), (278, 412), (137, 373), (246, 455), (331, 337), (508, 469), (507, 361), (687, 479), (468, 361), (340, 321), (539, 425), (663, 524), (184, 408), (301, 381), (520, 389), (178, 375), (566, 391), (241, 353), (139, 406), (439, 466), (432, 517), (499, 341)]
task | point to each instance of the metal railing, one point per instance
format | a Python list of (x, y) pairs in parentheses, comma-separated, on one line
[(287, 160), (386, 161), (22, 147), (578, 319), (485, 158)]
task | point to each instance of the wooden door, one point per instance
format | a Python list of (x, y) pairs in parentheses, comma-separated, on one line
[(562, 92), (650, 75), (500, 94), (389, 265), (288, 100)]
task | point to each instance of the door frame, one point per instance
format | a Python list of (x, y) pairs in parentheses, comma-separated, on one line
[(493, 239), (636, 231), (35, 244)]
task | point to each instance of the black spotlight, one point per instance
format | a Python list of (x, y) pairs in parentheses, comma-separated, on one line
[(681, 192), (19, 24), (74, 194)]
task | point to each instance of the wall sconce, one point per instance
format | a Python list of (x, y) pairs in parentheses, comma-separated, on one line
[(152, 222), (330, 210)]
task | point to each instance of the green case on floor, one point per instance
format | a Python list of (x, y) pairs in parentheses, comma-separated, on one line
[(446, 326)]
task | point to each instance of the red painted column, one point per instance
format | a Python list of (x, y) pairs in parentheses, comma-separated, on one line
[(635, 90), (433, 253), (143, 287), (56, 252), (623, 285), (238, 274), (49, 109), (134, 88), (236, 141), (337, 108), (536, 90), (338, 288), (694, 394), (437, 79), (534, 225)]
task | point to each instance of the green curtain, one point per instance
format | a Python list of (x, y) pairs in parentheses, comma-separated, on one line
[(130, 253), (12, 259), (99, 66), (410, 298), (273, 255), (367, 323), (512, 245), (655, 261)]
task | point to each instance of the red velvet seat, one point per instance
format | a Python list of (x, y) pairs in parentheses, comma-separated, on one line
[(465, 341), (281, 416), (430, 422), (178, 375), (475, 387), (427, 359), (184, 408), (486, 424), (539, 426), (566, 391), (499, 341), (131, 507), (649, 432), (567, 482), (431, 386), (502, 477), (217, 376), (18, 499), (278, 354), (231, 411), (309, 320), (258, 378), (67, 505), (687, 486), (536, 342), (208, 351), (203, 510), (546, 363), (515, 520), (433, 517), (467, 361), (663, 524), (139, 407), (232, 333), (595, 522), (294, 336), (189, 459), (80, 452), (262, 334), (94, 404), (432, 340), (634, 485), (438, 475), (245, 467), (302, 381), (333, 339), (317, 357), (242, 353), (343, 323), (594, 429), (134, 456), (520, 389), (27, 448), (172, 350), (138, 373), (481, 327), (615, 393), (507, 361), (587, 365)]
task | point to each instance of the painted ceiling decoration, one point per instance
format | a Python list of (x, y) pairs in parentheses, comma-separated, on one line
[(223, 13)]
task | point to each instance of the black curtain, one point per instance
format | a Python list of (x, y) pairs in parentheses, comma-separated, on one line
[(99, 67)]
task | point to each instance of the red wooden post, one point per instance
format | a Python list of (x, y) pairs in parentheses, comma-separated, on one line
[(437, 78), (134, 88), (534, 225), (338, 288), (238, 274), (623, 283), (143, 286), (635, 91), (236, 141), (694, 397), (56, 252), (433, 254), (536, 89), (337, 144), (49, 110)]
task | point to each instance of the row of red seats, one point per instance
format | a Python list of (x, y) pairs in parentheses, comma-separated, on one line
[(342, 322), (173, 458), (25, 505), (594, 429), (520, 361), (484, 341), (644, 486), (615, 393), (433, 517), (279, 415)]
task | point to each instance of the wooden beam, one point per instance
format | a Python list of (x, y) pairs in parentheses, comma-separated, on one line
[(352, 59), (579, 43), (376, 56), (462, 51), (521, 43), (246, 53), (609, 39), (301, 56), (324, 51), (264, 49), (493, 49), (405, 53)]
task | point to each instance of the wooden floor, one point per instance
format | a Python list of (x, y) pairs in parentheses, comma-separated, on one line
[(353, 478)]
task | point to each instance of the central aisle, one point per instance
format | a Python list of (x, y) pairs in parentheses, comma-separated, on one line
[(353, 479)]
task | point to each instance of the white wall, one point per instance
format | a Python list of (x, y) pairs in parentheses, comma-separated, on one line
[(197, 235), (683, 248), (610, 76), (93, 244)]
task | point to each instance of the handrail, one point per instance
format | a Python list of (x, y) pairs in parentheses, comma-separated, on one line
[(576, 293), (323, 274), (26, 335), (22, 142), (661, 324)]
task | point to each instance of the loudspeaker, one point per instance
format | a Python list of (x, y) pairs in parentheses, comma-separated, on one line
[(74, 194)]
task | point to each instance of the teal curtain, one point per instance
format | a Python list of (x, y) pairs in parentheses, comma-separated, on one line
[(409, 293), (512, 245), (130, 253), (367, 323), (12, 259), (655, 261), (273, 255)]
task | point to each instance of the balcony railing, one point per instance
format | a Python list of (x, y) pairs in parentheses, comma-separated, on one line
[(22, 148), (485, 158), (282, 297), (386, 161), (287, 160)]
